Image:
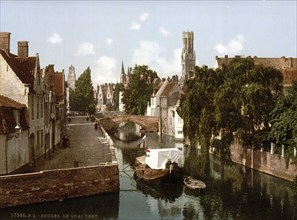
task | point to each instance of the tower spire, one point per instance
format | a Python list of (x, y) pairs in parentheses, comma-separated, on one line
[(123, 70)]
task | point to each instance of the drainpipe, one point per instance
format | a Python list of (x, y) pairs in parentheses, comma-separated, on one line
[(6, 160)]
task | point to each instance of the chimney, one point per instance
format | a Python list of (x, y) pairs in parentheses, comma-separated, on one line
[(5, 41), (23, 48)]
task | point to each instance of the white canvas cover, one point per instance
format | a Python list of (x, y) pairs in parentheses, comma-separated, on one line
[(157, 158)]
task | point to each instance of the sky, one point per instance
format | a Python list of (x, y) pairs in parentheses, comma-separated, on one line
[(103, 34)]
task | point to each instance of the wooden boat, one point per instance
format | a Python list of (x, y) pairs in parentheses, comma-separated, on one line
[(158, 165), (194, 184)]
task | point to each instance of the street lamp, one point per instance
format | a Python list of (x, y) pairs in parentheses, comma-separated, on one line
[(18, 130)]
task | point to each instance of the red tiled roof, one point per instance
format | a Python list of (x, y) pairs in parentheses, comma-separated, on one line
[(59, 86), (24, 67), (9, 103)]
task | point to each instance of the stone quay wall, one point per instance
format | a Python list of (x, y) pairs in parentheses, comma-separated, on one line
[(263, 161), (51, 185)]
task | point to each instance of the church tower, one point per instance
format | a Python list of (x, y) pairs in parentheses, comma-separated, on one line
[(71, 77), (123, 75), (188, 56)]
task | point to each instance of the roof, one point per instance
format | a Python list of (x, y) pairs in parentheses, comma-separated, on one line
[(7, 119), (287, 66), (24, 67), (9, 103), (59, 86), (168, 89)]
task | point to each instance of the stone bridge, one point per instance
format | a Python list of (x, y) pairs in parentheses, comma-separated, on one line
[(148, 123)]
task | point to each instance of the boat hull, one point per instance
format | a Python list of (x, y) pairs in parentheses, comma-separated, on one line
[(194, 184), (147, 174)]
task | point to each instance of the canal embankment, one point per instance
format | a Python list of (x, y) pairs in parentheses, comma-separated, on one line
[(87, 167)]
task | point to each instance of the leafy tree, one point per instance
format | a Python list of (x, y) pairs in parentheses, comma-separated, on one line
[(284, 122), (237, 98), (197, 107), (82, 99), (139, 90), (245, 98)]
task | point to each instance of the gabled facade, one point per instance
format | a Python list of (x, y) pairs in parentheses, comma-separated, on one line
[(14, 131), (21, 79), (104, 95), (164, 104), (55, 107)]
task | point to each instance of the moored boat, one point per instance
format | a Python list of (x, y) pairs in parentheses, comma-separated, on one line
[(159, 165), (194, 184)]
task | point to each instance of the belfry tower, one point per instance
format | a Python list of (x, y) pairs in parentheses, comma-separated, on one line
[(188, 56), (71, 77)]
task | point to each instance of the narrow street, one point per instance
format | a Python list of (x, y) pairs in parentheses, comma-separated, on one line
[(86, 147)]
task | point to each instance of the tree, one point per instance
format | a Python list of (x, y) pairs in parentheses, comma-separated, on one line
[(246, 97), (235, 99), (197, 107), (82, 99), (139, 90), (284, 122)]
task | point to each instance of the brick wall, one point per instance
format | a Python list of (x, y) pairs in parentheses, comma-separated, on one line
[(266, 162), (53, 185)]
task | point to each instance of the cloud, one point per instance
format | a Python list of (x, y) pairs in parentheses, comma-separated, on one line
[(85, 48), (163, 31), (109, 41), (104, 70), (234, 46), (54, 39), (144, 16), (151, 54), (135, 26)]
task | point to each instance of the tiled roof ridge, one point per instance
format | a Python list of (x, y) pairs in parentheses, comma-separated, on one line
[(24, 67), (10, 103)]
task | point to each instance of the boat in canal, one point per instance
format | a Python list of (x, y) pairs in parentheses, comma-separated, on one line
[(159, 165), (194, 184)]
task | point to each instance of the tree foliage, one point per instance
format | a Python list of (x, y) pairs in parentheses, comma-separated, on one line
[(139, 90), (234, 99), (284, 121), (82, 98), (197, 106)]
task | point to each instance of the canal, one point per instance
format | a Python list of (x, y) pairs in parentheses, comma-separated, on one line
[(233, 192)]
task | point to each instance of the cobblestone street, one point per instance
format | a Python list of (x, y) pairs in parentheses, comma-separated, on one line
[(86, 147)]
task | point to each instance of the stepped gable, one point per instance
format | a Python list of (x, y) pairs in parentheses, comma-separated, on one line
[(23, 67)]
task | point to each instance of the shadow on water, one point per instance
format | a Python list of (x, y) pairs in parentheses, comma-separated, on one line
[(90, 207), (232, 192)]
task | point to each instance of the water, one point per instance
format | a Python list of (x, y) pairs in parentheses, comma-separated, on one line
[(232, 192)]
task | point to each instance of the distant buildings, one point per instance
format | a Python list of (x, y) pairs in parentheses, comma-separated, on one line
[(33, 103), (287, 66)]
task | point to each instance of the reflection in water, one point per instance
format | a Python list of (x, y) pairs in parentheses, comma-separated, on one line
[(231, 193)]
